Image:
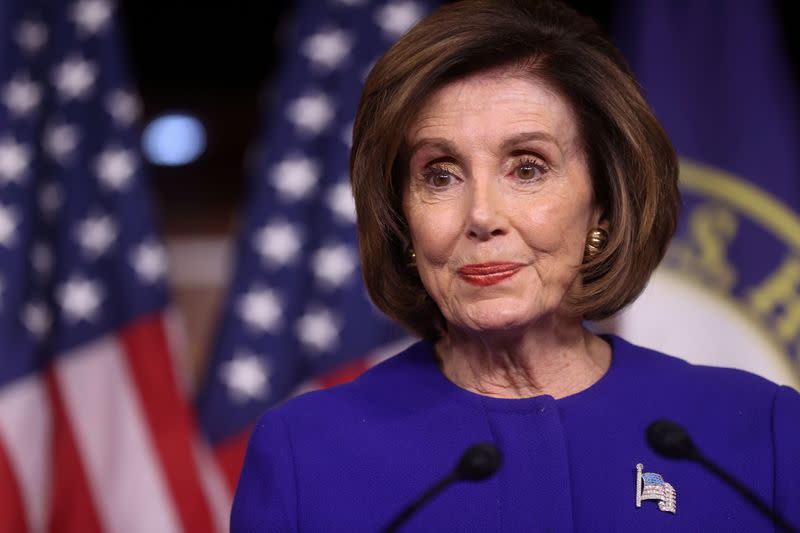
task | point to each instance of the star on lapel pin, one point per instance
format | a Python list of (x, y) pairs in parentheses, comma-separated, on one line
[(651, 486)]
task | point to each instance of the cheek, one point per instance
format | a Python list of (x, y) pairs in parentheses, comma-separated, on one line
[(434, 234), (543, 225), (555, 228)]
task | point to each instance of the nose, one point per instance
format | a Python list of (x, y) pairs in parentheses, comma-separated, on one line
[(486, 216)]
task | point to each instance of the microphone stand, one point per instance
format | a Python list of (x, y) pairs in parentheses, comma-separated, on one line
[(757, 502), (671, 440), (479, 462), (428, 495)]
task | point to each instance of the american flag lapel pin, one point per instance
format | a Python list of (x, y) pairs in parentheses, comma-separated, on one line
[(651, 486)]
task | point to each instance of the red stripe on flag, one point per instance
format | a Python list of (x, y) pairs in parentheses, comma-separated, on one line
[(343, 373), (72, 509), (171, 424), (12, 511), (230, 456)]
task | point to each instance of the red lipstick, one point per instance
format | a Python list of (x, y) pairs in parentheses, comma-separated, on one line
[(485, 274)]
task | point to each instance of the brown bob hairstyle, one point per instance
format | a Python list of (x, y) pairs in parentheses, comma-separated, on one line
[(632, 163)]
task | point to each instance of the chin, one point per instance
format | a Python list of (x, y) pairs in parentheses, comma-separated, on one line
[(499, 317)]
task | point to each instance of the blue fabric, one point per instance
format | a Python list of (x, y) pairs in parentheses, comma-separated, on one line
[(351, 457)]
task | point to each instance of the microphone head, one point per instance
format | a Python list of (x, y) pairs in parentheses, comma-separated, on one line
[(479, 462), (669, 439)]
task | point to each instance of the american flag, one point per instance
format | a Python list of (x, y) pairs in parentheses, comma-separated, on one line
[(95, 430), (655, 488), (297, 314)]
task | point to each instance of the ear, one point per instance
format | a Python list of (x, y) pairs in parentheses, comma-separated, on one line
[(598, 218)]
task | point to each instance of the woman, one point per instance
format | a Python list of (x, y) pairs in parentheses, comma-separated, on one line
[(511, 182)]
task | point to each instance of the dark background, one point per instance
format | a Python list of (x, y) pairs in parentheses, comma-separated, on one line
[(214, 59)]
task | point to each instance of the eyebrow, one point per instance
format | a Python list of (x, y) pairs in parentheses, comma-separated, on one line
[(506, 145), (435, 142), (529, 136)]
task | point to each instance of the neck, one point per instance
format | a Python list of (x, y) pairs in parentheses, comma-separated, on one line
[(554, 359)]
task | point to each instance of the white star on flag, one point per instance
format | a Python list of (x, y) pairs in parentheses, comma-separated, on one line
[(96, 234), (8, 225), (333, 265), (123, 107), (21, 96), (294, 177), (260, 309), (31, 36), (340, 200), (74, 77), (397, 18), (50, 199), (42, 259), (278, 242), (79, 298), (149, 261), (318, 330), (36, 317), (115, 167), (14, 160), (311, 113), (91, 16), (60, 141), (328, 48), (247, 377)]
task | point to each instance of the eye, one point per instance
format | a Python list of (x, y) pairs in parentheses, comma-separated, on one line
[(530, 170), (438, 177)]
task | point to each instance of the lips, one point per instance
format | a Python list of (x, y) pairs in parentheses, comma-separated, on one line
[(488, 273)]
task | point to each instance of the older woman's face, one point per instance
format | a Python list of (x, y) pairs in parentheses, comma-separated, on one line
[(499, 201)]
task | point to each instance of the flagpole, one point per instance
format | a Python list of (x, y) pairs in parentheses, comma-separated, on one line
[(639, 468)]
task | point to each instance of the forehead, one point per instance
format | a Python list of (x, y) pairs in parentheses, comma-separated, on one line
[(493, 105)]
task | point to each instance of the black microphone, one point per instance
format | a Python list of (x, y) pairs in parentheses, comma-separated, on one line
[(669, 439), (478, 462)]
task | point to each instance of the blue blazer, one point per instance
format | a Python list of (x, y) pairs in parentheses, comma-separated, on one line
[(350, 458)]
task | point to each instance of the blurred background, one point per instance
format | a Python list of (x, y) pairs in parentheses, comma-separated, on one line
[(221, 129), (216, 62)]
